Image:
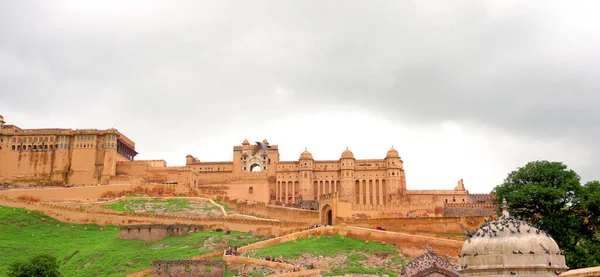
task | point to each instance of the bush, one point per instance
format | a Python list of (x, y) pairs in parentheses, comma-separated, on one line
[(28, 198), (42, 265)]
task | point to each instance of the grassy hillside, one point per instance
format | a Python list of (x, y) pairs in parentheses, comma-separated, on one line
[(93, 252), (168, 206), (337, 255)]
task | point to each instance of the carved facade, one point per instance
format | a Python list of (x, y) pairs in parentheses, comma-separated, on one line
[(61, 156)]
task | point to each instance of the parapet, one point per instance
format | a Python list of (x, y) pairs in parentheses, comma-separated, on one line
[(207, 268), (154, 232)]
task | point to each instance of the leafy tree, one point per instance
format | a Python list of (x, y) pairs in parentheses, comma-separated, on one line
[(42, 265), (550, 195)]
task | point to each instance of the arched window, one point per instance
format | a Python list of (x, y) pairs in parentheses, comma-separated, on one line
[(251, 190)]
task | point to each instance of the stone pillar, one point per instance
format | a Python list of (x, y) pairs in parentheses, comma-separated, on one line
[(294, 193), (380, 185), (360, 193), (368, 192), (286, 192)]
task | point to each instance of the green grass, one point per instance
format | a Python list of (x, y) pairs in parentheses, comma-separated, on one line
[(173, 205), (93, 252), (225, 207), (355, 249), (454, 235)]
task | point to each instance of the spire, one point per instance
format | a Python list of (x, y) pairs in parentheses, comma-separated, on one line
[(505, 208)]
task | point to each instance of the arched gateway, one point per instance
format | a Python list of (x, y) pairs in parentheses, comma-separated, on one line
[(327, 215)]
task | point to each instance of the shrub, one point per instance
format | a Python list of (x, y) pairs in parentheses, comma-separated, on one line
[(44, 265), (28, 198)]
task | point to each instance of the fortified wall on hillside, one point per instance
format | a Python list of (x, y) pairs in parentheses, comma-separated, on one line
[(363, 187), (156, 232)]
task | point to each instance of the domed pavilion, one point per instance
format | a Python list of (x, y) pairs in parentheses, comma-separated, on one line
[(510, 247)]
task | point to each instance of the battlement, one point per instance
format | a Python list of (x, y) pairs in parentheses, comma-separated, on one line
[(328, 196), (469, 205), (442, 192), (154, 232)]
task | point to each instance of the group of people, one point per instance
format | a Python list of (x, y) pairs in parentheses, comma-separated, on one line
[(231, 251), (317, 226)]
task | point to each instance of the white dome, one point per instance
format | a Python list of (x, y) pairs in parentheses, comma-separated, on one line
[(507, 245)]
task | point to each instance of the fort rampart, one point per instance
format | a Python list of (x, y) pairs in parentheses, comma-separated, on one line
[(272, 211), (436, 225), (471, 209), (108, 217), (60, 194), (403, 240), (203, 268), (156, 232)]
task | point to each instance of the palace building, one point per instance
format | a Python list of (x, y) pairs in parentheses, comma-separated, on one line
[(61, 156), (255, 173)]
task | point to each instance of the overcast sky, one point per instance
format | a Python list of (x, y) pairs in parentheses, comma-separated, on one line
[(462, 89)]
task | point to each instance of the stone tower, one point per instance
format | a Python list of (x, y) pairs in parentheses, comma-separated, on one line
[(348, 177), (306, 175), (395, 185)]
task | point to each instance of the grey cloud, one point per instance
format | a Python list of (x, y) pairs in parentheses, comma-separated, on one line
[(525, 67)]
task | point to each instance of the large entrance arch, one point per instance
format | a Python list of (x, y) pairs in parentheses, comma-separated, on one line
[(327, 215), (255, 168)]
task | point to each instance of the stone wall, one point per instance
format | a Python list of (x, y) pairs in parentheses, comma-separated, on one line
[(83, 193), (189, 268), (436, 225), (156, 232), (108, 217), (476, 209), (445, 246), (272, 211)]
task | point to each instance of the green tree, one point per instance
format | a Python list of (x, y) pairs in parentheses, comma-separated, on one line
[(550, 195), (42, 265)]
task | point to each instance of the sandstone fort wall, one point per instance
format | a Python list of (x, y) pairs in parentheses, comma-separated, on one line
[(272, 211), (475, 209), (436, 225), (156, 232), (108, 217), (442, 245), (74, 193), (189, 268)]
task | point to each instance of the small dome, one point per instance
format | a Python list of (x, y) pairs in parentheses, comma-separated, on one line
[(1, 118), (347, 154), (392, 153), (245, 142), (265, 141), (306, 155), (512, 245)]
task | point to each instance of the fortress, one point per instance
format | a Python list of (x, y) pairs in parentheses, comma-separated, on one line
[(101, 157)]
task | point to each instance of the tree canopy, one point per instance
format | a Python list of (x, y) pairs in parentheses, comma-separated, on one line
[(42, 265), (550, 195)]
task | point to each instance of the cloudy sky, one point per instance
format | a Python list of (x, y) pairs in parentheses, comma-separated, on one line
[(463, 89)]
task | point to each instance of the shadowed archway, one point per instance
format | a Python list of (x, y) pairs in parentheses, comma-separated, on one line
[(327, 215)]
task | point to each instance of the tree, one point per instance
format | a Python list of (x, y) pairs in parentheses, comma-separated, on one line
[(550, 195), (42, 265)]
